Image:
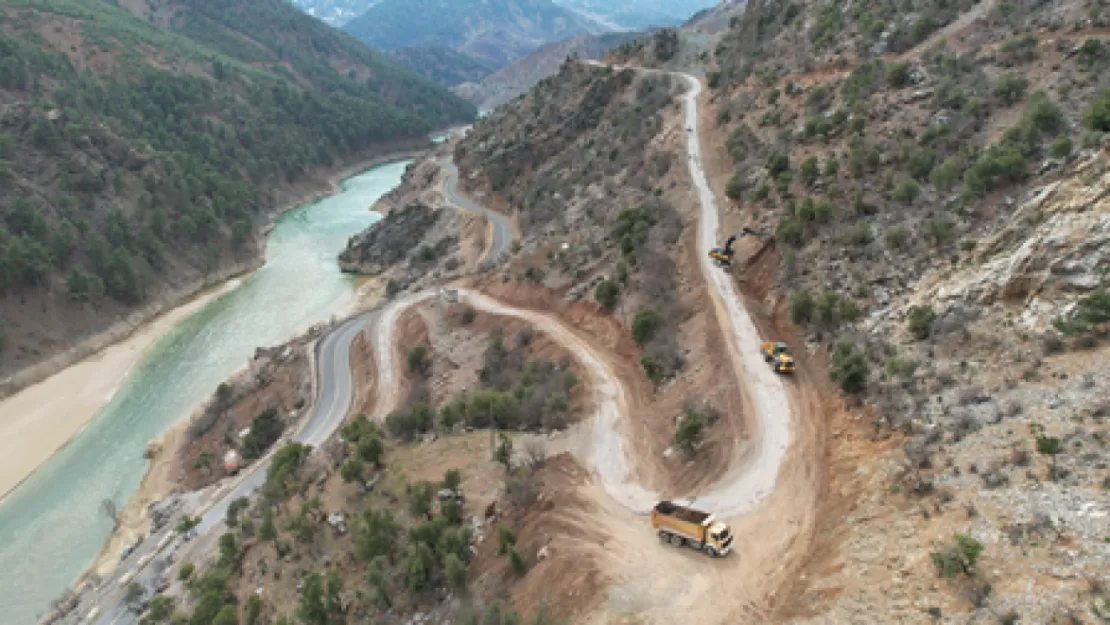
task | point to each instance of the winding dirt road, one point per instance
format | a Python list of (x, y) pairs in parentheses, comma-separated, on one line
[(750, 479)]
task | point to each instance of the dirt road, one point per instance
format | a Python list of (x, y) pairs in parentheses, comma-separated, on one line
[(782, 520)]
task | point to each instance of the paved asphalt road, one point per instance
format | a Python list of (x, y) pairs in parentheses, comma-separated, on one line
[(502, 232), (335, 390)]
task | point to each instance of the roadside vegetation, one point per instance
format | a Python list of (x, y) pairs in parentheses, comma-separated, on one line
[(515, 392)]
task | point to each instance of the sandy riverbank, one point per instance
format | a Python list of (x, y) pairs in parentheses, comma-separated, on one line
[(40, 419)]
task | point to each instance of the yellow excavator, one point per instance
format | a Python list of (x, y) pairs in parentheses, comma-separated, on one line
[(723, 255), (777, 354)]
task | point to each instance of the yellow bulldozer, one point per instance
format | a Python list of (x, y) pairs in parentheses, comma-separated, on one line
[(777, 354)]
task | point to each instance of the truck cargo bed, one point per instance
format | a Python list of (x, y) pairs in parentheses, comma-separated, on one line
[(681, 513)]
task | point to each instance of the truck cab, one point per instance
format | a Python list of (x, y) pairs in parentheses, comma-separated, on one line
[(777, 354)]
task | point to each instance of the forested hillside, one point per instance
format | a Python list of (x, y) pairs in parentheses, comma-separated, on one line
[(442, 65), (140, 151)]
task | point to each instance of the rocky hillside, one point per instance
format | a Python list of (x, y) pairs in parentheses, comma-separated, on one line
[(934, 176), (142, 147), (496, 32), (519, 76)]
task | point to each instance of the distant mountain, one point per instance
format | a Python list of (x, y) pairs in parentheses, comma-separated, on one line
[(335, 12), (516, 78), (637, 14), (496, 32), (442, 65)]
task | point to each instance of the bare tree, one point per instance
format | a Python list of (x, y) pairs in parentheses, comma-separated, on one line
[(109, 509), (537, 454)]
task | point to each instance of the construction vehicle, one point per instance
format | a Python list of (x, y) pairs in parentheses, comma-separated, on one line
[(777, 354), (682, 526), (723, 255)]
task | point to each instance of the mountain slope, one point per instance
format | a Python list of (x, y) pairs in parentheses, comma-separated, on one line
[(442, 65), (140, 152), (519, 76), (494, 31)]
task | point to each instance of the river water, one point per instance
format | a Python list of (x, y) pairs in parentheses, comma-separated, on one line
[(50, 526)]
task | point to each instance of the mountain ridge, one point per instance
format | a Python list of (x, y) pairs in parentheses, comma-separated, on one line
[(493, 31)]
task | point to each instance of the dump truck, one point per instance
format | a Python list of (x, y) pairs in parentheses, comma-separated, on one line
[(682, 526), (777, 354)]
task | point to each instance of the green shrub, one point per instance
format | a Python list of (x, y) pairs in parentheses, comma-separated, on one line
[(265, 429), (858, 234), (452, 479), (186, 571), (1011, 88), (802, 306), (809, 170), (959, 557), (353, 471), (652, 369), (938, 230), (920, 322), (407, 423), (371, 448), (455, 571), (920, 163), (506, 538), (789, 232), (773, 97), (504, 452), (826, 24), (516, 561), (645, 324), (419, 361), (607, 293), (896, 238), (831, 309), (948, 173), (849, 368), (736, 184), (1000, 164), (832, 166), (777, 163), (762, 192), (898, 75), (1044, 114), (1090, 53), (907, 192), (1061, 147), (1020, 48), (691, 429)]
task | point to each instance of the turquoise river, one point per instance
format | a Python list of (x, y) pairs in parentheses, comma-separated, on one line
[(50, 526)]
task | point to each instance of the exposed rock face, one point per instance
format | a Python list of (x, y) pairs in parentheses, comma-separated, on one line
[(1055, 248), (390, 240)]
